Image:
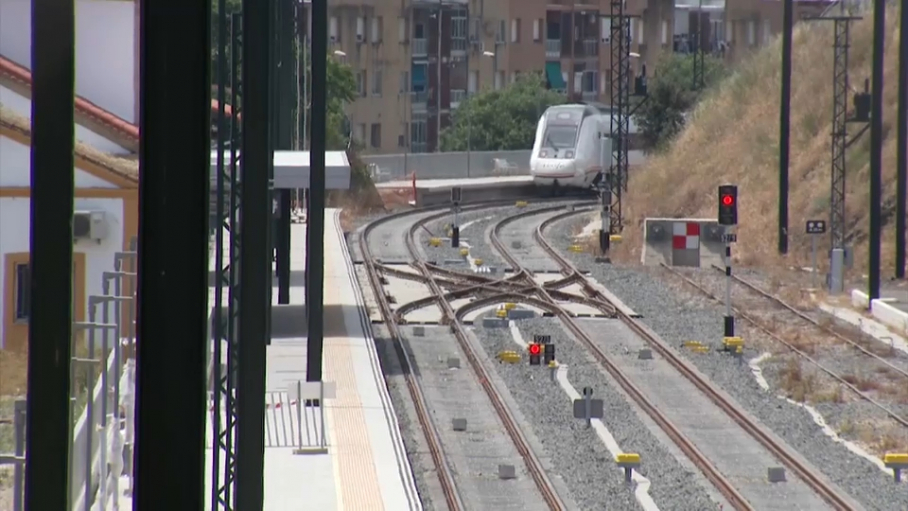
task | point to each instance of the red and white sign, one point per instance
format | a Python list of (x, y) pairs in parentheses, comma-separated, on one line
[(686, 235)]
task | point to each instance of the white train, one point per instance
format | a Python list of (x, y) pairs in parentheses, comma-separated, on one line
[(567, 149)]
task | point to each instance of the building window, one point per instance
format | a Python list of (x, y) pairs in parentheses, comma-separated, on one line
[(361, 81), (751, 32), (404, 86), (402, 30), (502, 31), (377, 27), (459, 28), (418, 136), (515, 30), (375, 135), (499, 79), (360, 29), (473, 82), (376, 82), (419, 31), (22, 293), (664, 32), (333, 33), (767, 32), (360, 135), (476, 33)]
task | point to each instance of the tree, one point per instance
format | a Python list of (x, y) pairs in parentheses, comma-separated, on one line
[(500, 120), (672, 95)]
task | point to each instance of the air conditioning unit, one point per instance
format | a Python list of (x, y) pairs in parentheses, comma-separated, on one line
[(90, 225), (360, 38)]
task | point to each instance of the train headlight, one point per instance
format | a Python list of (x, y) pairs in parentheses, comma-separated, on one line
[(569, 154)]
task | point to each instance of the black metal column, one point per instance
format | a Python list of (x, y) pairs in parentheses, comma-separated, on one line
[(902, 164), (619, 62), (876, 149), (48, 429), (174, 120), (286, 108), (785, 125), (255, 254), (315, 233)]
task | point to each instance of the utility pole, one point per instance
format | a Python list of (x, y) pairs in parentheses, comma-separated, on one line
[(285, 104), (615, 178), (438, 84), (699, 70), (785, 125), (876, 148), (902, 165)]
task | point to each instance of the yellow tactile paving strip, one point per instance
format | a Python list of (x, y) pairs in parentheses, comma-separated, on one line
[(357, 484)]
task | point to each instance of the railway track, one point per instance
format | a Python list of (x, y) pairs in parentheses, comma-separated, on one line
[(780, 451), (770, 331), (437, 279)]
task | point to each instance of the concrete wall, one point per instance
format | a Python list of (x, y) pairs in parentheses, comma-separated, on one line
[(105, 49), (454, 165), (657, 244), (882, 311)]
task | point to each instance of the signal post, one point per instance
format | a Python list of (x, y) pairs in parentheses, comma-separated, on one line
[(728, 216)]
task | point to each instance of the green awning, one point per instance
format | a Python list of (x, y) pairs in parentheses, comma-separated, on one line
[(553, 75)]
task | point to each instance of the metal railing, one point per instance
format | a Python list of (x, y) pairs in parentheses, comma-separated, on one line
[(553, 48), (457, 95), (17, 457)]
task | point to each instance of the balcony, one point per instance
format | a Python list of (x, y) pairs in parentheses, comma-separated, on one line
[(457, 95), (420, 48), (553, 48), (590, 95), (590, 48), (418, 147), (419, 101), (458, 44)]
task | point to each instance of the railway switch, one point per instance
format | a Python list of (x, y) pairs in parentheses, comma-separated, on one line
[(628, 461), (477, 262), (509, 306), (465, 252), (732, 344), (501, 313), (897, 462), (509, 356), (535, 351), (435, 242), (521, 204)]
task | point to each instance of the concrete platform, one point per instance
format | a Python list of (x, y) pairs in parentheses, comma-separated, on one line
[(365, 467), (431, 192)]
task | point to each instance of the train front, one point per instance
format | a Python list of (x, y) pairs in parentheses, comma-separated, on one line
[(554, 161)]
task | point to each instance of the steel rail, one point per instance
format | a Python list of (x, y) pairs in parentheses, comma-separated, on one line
[(772, 335), (433, 439), (734, 497), (533, 464), (780, 451), (785, 305)]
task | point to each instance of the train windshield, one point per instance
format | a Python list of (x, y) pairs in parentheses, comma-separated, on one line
[(560, 137)]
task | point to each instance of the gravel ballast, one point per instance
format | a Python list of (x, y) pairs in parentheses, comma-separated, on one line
[(677, 318), (577, 454)]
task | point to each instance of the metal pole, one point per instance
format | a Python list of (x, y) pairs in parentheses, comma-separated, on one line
[(438, 85), (876, 149), (315, 233), (299, 412), (19, 420), (588, 406), (729, 330), (90, 409), (49, 429), (785, 124), (902, 164), (255, 252), (813, 258)]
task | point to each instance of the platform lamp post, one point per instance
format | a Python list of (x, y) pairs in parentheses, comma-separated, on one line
[(493, 56)]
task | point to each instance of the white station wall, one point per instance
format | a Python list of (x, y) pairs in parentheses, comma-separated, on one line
[(105, 49)]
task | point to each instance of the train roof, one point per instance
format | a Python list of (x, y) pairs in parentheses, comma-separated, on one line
[(593, 108)]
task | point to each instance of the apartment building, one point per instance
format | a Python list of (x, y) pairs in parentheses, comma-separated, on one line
[(415, 61)]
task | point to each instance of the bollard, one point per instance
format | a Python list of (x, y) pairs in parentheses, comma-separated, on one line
[(628, 461), (897, 462), (553, 370)]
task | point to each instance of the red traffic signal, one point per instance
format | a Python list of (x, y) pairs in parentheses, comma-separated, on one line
[(728, 200), (535, 349)]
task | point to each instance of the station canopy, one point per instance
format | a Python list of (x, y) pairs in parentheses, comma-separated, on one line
[(291, 169)]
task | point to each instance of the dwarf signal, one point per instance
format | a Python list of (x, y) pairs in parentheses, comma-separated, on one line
[(535, 351), (548, 355)]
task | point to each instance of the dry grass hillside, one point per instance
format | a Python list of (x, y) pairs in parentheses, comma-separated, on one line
[(733, 137)]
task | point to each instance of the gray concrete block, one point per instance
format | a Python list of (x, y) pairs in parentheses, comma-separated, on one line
[(645, 354), (459, 424), (507, 472), (419, 331), (776, 474), (521, 314), (494, 323), (516, 244), (453, 363), (453, 262)]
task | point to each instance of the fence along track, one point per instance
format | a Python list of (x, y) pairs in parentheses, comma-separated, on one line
[(534, 466), (785, 455), (772, 335), (687, 446)]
